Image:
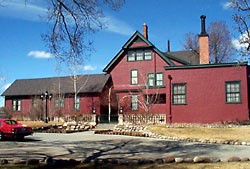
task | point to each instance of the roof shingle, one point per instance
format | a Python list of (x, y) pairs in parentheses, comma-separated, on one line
[(85, 84)]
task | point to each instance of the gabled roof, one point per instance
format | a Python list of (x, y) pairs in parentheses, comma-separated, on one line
[(189, 56), (85, 84), (125, 47)]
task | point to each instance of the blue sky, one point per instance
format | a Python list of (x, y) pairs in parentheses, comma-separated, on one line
[(24, 54)]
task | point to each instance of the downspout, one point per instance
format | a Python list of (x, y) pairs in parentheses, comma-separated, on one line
[(110, 90), (170, 99)]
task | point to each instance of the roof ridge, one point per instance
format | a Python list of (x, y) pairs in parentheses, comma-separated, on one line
[(40, 78)]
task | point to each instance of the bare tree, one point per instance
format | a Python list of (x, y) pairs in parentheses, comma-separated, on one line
[(191, 42), (242, 21), (220, 42), (72, 21)]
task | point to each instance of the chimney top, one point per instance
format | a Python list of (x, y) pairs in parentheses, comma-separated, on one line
[(145, 30), (168, 49), (203, 26)]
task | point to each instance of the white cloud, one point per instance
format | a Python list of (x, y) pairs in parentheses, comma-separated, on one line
[(117, 26), (5, 86), (227, 5), (2, 78), (237, 44), (40, 54), (89, 68), (27, 10)]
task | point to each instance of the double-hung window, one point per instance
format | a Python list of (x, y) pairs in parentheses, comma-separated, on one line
[(131, 56), (159, 79), (77, 103), (147, 55), (134, 77), (16, 105), (233, 92), (134, 102), (59, 102), (179, 93), (151, 79), (139, 55), (155, 79)]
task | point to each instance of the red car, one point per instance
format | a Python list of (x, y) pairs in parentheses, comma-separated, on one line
[(13, 130)]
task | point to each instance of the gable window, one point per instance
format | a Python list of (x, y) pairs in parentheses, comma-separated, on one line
[(147, 55), (131, 56), (233, 92), (179, 93), (16, 105), (59, 102), (139, 55), (134, 77), (77, 103), (134, 102), (155, 79)]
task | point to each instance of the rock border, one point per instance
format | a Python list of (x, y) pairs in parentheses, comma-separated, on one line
[(50, 161), (141, 131)]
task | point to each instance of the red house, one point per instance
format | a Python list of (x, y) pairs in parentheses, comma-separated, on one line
[(59, 97), (145, 85)]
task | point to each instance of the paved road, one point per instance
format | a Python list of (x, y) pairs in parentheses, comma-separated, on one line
[(88, 145)]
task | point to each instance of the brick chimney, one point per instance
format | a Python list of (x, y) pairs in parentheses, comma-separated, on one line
[(203, 43), (145, 30)]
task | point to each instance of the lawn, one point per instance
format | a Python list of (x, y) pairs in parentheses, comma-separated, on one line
[(241, 134), (35, 124)]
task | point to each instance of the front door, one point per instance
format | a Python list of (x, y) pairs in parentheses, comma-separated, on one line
[(106, 117)]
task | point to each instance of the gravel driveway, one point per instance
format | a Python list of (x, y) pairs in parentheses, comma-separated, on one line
[(87, 145)]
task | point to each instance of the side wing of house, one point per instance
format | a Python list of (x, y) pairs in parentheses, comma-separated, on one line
[(23, 97), (208, 93)]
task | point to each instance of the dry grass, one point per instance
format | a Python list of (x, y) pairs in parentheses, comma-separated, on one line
[(34, 124), (242, 165), (237, 134)]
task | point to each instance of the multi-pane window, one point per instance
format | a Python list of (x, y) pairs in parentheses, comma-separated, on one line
[(147, 55), (131, 56), (159, 79), (155, 79), (179, 93), (134, 102), (139, 55), (77, 103), (155, 98), (233, 92), (151, 79), (59, 102), (16, 105), (134, 77)]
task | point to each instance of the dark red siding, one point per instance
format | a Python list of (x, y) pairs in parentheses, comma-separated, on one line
[(206, 97)]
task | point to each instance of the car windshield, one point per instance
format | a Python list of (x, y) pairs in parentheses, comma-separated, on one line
[(10, 122)]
